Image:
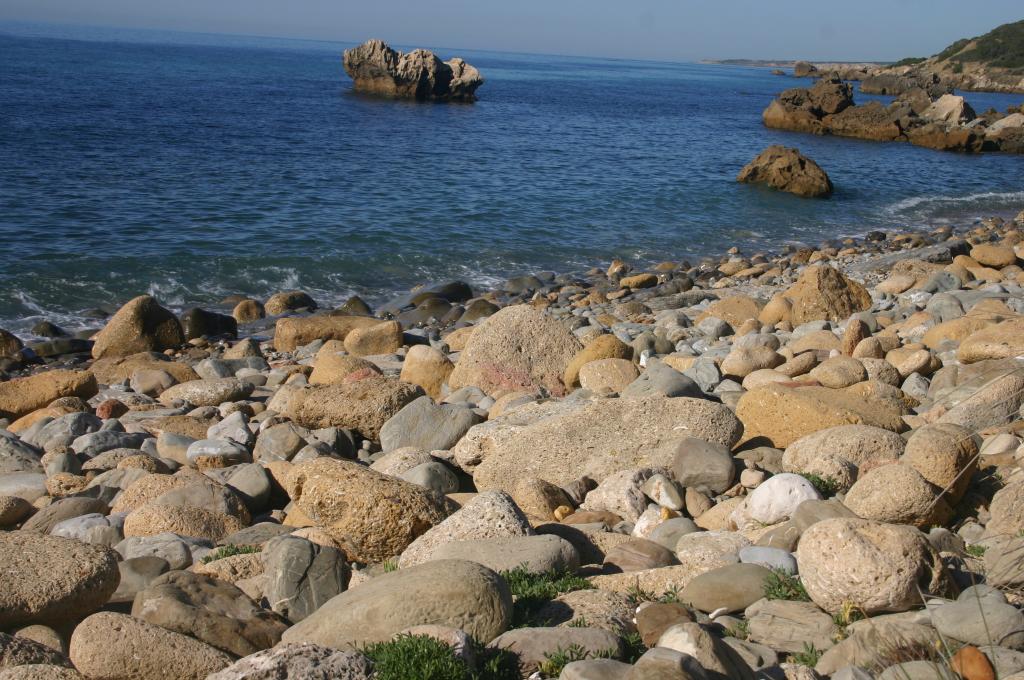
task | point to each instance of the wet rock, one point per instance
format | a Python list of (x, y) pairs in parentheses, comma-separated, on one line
[(141, 325), (787, 170)]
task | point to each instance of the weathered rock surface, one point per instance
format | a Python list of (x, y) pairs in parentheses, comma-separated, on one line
[(787, 170), (377, 69), (48, 579), (373, 516), (460, 594), (563, 441), (364, 405), (21, 396), (141, 325), (299, 660)]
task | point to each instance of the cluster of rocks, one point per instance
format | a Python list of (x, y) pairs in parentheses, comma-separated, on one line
[(946, 122), (802, 465), (377, 69)]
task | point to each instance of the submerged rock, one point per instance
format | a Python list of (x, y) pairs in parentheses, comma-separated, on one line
[(377, 69)]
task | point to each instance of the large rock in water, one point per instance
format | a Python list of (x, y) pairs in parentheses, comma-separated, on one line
[(454, 593), (377, 69), (822, 293), (372, 516), (48, 579), (141, 325), (560, 442), (518, 348), (787, 170), (21, 396)]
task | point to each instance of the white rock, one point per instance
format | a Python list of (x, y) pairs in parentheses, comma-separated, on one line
[(775, 500)]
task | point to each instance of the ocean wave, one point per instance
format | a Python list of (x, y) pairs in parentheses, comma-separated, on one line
[(1007, 198)]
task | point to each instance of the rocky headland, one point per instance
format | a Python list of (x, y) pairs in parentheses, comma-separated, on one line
[(946, 122), (795, 465), (379, 70), (993, 62)]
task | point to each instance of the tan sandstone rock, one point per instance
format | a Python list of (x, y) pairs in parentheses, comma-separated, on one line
[(141, 325)]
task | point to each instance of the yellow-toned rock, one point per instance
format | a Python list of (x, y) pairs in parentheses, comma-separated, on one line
[(292, 332), (602, 347), (734, 310), (1001, 341), (822, 292), (141, 325), (21, 396), (427, 367), (383, 338)]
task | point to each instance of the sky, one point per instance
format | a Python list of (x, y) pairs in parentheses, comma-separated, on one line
[(676, 30)]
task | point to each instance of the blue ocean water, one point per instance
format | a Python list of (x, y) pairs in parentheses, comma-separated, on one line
[(195, 166)]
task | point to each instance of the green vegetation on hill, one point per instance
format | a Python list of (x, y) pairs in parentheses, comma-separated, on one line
[(909, 61), (1002, 47)]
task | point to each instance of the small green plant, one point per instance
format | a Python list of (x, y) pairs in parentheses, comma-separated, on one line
[(740, 631), (809, 657), (976, 550), (425, 658), (581, 622), (530, 592), (636, 594), (781, 585), (847, 614), (826, 486), (634, 646), (555, 661), (230, 551), (389, 565)]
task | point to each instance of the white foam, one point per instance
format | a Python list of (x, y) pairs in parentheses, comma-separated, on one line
[(909, 204)]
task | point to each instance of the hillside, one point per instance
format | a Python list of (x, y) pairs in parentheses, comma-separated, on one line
[(992, 62)]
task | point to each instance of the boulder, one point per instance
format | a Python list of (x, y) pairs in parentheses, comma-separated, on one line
[(198, 323), (114, 369), (208, 609), (897, 494), (945, 455), (21, 396), (427, 367), (185, 520), (822, 292), (732, 587), (488, 515), (48, 579), (141, 325), (332, 365), (1000, 341), (379, 70), (109, 645), (605, 346), (565, 440), (424, 425), (373, 516), (533, 646), (208, 392), (363, 406), (949, 108), (299, 660), (293, 332), (789, 626), (454, 593), (383, 338), (773, 501), (787, 170), (878, 567), (301, 576), (537, 554), (288, 301), (778, 416), (856, 444), (18, 651), (518, 348)]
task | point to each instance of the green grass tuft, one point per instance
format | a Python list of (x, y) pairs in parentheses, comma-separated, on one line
[(425, 658), (554, 662), (781, 585), (976, 550), (532, 591), (826, 486), (809, 657), (230, 551), (637, 595)]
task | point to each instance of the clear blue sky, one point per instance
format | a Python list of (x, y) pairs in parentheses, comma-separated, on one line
[(653, 29)]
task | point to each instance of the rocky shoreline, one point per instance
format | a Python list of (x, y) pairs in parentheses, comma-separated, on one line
[(798, 465)]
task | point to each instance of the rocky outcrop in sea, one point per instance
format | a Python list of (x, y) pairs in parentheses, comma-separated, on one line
[(803, 464), (946, 123), (377, 69), (787, 170)]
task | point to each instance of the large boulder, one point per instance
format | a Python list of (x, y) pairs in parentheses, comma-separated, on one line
[(875, 566), (364, 405), (856, 444), (114, 369), (208, 609), (822, 292), (1002, 341), (427, 426), (561, 441), (454, 593), (377, 69), (949, 108), (299, 660), (778, 415), (141, 325), (301, 575), (373, 516), (48, 579), (292, 332), (787, 170), (21, 396), (518, 348), (109, 645)]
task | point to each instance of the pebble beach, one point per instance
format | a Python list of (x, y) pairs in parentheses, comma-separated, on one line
[(795, 464)]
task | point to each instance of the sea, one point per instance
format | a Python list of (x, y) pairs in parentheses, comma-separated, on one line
[(194, 166)]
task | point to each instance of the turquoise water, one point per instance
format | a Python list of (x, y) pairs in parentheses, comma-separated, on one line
[(195, 166)]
